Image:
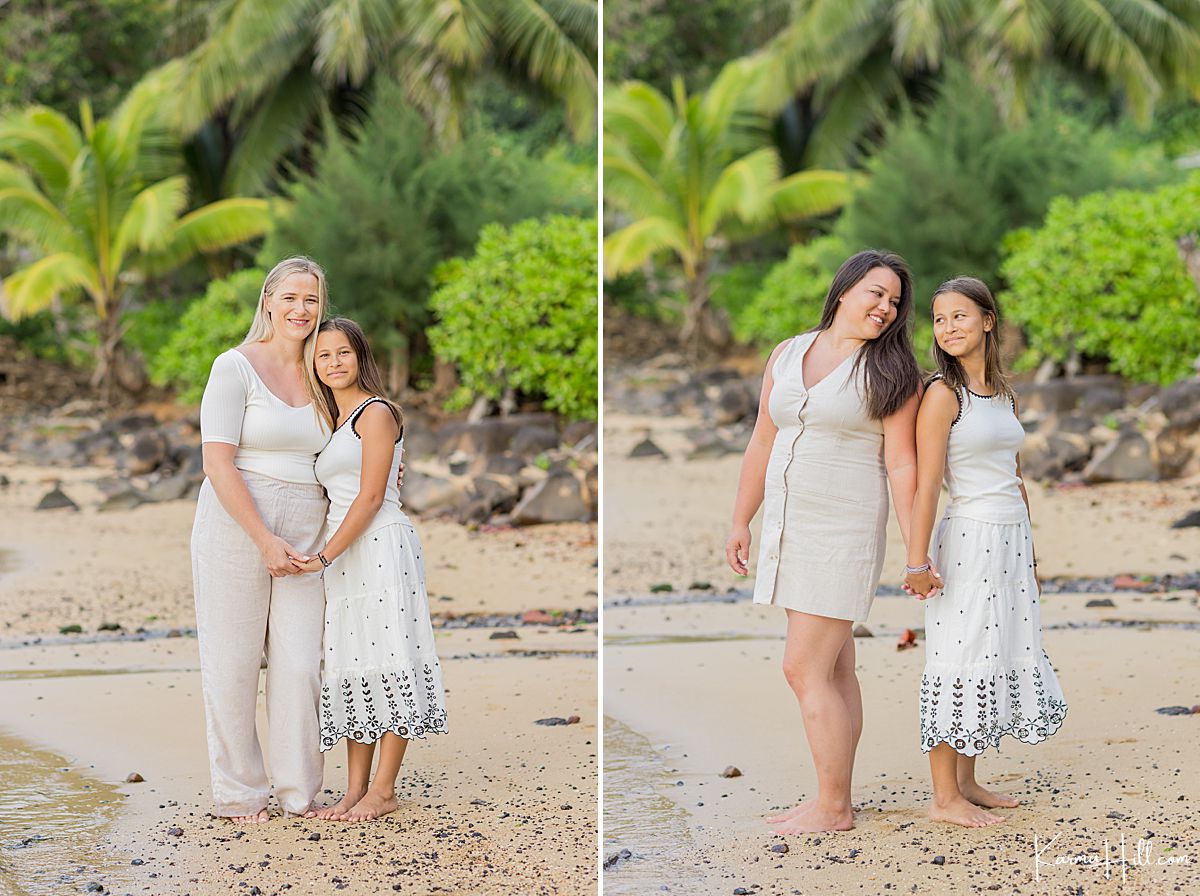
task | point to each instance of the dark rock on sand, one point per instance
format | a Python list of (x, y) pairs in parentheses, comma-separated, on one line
[(861, 631), (1187, 522), (500, 636), (939, 860), (553, 720), (1100, 602), (780, 848), (314, 836), (647, 448), (126, 498), (556, 499), (731, 771), (134, 778), (175, 832), (1177, 710), (55, 499), (1127, 459)]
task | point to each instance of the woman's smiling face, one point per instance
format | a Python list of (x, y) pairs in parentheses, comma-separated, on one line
[(870, 306), (295, 306)]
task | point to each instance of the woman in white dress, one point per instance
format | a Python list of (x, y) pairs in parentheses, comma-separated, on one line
[(381, 681), (834, 429), (258, 517), (986, 674)]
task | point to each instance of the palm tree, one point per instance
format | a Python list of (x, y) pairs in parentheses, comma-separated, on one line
[(694, 172), (268, 69), (842, 65), (97, 207)]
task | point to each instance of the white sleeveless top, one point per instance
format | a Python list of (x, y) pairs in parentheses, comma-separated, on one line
[(339, 469), (273, 438), (981, 460)]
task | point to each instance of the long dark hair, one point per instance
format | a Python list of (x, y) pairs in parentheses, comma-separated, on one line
[(951, 370), (889, 367), (369, 379)]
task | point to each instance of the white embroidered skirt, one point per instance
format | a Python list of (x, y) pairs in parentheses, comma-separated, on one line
[(381, 670), (986, 674)]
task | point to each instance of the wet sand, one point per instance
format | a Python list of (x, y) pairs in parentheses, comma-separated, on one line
[(499, 805), (700, 683)]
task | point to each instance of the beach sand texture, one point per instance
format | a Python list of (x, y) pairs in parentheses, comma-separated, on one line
[(499, 805), (692, 687)]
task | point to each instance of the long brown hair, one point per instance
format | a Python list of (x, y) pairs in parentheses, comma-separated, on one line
[(890, 373), (951, 370), (369, 379)]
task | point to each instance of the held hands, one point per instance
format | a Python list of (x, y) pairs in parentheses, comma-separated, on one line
[(281, 558), (737, 550), (923, 585), (313, 564)]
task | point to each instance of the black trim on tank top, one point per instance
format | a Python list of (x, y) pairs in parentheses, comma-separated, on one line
[(358, 413)]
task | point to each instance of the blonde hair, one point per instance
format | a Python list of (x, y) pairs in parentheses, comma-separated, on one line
[(261, 329)]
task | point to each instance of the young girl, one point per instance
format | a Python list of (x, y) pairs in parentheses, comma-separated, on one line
[(381, 681), (986, 674)]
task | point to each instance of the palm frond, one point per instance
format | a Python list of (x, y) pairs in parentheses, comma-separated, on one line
[(44, 142), (348, 32), (31, 217), (35, 287), (218, 225), (149, 221), (630, 246), (808, 194), (743, 190)]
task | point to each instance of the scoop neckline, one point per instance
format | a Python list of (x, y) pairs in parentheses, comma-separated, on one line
[(350, 416), (977, 395), (266, 388)]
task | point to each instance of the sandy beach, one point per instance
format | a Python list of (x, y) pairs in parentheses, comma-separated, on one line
[(500, 805), (693, 685)]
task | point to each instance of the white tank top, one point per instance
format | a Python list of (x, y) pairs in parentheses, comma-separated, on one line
[(981, 460), (339, 469)]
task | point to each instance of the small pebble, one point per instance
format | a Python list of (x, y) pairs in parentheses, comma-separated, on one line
[(314, 836), (939, 860), (780, 848)]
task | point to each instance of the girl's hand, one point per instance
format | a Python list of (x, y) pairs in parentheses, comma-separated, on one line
[(400, 475), (313, 564), (922, 585), (737, 550), (278, 557)]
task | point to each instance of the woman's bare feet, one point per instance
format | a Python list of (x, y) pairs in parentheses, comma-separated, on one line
[(261, 817), (372, 806), (959, 810), (795, 812), (815, 819), (337, 812), (989, 799)]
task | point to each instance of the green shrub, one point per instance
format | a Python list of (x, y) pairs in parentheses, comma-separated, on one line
[(212, 323), (521, 314), (1102, 276), (792, 294)]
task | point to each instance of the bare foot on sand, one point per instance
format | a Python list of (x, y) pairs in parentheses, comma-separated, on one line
[(371, 807), (815, 820), (989, 799), (795, 812), (967, 814), (262, 817), (338, 810)]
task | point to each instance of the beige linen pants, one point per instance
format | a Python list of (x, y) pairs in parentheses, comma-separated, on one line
[(240, 610)]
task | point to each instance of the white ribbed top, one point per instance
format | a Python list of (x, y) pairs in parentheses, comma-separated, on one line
[(339, 469), (981, 460), (272, 437)]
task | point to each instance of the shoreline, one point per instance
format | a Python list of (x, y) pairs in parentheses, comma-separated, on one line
[(499, 805)]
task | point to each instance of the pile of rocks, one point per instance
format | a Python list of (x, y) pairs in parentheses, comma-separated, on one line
[(1088, 429), (522, 469)]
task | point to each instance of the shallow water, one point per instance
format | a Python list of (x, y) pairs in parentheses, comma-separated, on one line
[(639, 816), (52, 819)]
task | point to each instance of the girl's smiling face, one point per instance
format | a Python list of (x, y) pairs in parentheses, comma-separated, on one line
[(959, 325), (335, 362), (871, 305)]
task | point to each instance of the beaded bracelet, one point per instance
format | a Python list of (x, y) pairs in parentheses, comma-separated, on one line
[(324, 562), (913, 570)]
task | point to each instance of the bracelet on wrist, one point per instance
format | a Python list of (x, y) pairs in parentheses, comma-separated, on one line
[(913, 570), (324, 562)]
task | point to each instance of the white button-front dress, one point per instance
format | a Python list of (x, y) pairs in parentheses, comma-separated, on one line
[(825, 500), (986, 674), (381, 670)]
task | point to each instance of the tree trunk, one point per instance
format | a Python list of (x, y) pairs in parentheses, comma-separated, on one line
[(107, 346), (703, 331), (398, 368)]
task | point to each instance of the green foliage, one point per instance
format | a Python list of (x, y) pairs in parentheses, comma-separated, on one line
[(52, 53), (521, 314), (946, 187), (211, 324), (385, 206), (792, 294), (654, 40), (1103, 277)]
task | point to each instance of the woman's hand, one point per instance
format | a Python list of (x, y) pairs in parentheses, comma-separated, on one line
[(313, 564), (923, 585), (737, 550), (280, 558)]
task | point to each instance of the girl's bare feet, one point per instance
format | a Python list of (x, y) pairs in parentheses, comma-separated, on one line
[(372, 806), (795, 812), (959, 810), (261, 817), (989, 799), (815, 819), (338, 810)]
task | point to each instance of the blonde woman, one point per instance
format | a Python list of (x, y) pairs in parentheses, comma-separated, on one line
[(258, 519)]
